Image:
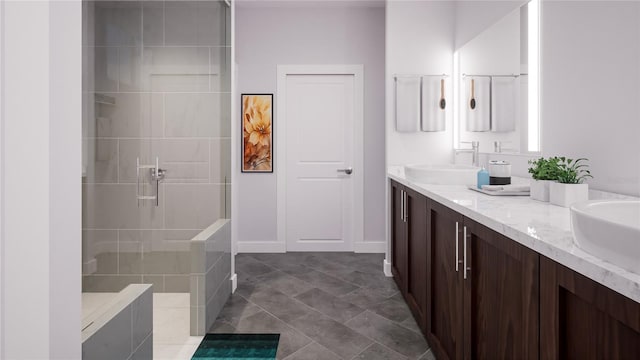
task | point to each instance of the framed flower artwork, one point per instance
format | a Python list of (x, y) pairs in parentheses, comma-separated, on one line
[(257, 136)]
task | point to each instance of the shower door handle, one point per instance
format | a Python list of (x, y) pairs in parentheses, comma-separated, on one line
[(156, 175)]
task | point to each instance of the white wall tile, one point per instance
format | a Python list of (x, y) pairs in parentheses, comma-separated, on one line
[(112, 341), (224, 124), (176, 69), (106, 69), (153, 23), (152, 115), (217, 62), (191, 206), (108, 283), (193, 23), (121, 119), (185, 150), (187, 172), (114, 206), (98, 241), (129, 68), (118, 23), (155, 240), (106, 165), (184, 159), (192, 115), (133, 115), (221, 160), (178, 82), (129, 151)]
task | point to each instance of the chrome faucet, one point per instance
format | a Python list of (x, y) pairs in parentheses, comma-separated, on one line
[(475, 146)]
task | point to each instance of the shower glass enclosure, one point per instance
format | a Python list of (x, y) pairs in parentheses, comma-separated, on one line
[(156, 131)]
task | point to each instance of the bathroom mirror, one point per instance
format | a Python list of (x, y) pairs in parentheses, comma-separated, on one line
[(495, 77)]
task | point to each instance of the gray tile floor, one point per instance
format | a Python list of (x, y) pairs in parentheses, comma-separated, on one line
[(324, 305)]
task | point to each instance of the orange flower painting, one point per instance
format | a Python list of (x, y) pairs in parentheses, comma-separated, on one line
[(257, 138)]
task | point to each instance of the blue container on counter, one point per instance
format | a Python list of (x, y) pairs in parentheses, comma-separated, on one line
[(483, 177)]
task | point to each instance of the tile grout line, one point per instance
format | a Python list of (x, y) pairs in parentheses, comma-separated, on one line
[(270, 314), (358, 287), (344, 324), (118, 251), (384, 346), (317, 311), (309, 344), (327, 274), (379, 343)]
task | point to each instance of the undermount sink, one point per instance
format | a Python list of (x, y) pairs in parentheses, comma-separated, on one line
[(609, 230), (446, 174)]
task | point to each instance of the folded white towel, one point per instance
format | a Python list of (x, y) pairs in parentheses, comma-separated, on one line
[(479, 117), (505, 98), (512, 187), (433, 116), (408, 104)]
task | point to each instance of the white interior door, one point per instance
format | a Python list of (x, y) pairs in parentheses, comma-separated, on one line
[(320, 112)]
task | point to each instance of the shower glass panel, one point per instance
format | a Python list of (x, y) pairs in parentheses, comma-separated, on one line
[(156, 165)]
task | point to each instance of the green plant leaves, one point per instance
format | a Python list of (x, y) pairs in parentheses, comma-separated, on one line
[(544, 169), (561, 169)]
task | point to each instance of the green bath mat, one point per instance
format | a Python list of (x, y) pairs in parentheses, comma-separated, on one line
[(237, 346)]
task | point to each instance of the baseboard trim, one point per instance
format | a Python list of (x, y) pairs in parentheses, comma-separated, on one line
[(261, 247), (234, 283), (386, 265), (372, 247)]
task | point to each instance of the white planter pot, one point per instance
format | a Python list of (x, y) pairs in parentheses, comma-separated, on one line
[(567, 194), (540, 189)]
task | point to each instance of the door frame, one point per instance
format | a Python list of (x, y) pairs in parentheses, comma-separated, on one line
[(281, 148)]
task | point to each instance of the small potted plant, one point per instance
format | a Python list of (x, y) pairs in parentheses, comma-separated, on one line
[(570, 187), (544, 172)]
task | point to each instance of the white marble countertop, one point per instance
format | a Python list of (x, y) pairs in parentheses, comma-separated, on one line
[(540, 226)]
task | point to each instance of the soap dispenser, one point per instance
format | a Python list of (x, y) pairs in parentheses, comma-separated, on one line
[(483, 177)]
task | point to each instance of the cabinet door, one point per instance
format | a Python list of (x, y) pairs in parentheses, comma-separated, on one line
[(501, 296), (398, 237), (444, 287), (581, 319), (416, 294)]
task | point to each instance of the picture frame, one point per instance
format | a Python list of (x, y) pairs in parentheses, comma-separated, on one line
[(256, 110)]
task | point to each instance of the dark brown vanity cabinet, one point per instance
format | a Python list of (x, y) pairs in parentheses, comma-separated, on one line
[(477, 294), (581, 319), (409, 248), (482, 291), (489, 310), (398, 238), (444, 291), (501, 294)]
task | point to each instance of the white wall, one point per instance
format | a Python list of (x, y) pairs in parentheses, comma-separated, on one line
[(473, 17), (1, 180), (41, 207), (590, 88), (286, 35), (419, 40)]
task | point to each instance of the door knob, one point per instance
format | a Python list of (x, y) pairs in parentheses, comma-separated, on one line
[(347, 171)]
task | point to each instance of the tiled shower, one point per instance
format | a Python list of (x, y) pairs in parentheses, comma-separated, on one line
[(156, 81)]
